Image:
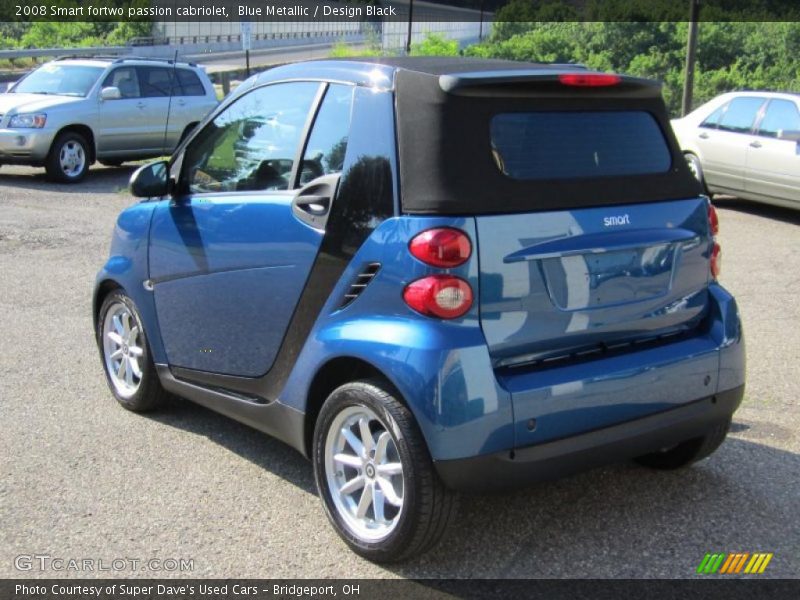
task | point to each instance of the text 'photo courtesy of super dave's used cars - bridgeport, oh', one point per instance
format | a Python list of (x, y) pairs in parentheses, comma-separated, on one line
[(429, 276)]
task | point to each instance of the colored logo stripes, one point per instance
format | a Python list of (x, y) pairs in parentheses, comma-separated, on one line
[(736, 562)]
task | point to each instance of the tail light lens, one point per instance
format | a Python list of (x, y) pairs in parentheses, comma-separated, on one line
[(589, 79), (443, 247), (716, 250), (442, 296), (716, 260), (713, 220)]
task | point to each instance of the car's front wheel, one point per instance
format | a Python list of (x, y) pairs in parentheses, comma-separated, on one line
[(129, 368), (68, 159), (375, 477)]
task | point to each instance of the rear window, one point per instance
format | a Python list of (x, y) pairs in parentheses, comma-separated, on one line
[(566, 145)]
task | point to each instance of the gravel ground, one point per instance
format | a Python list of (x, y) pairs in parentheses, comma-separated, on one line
[(82, 478)]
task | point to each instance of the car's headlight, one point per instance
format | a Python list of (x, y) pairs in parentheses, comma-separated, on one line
[(28, 121)]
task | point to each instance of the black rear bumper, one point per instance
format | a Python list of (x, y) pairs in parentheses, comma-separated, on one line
[(558, 458)]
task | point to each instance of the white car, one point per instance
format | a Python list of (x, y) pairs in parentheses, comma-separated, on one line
[(746, 144)]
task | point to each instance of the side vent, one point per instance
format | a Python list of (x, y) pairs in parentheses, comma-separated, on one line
[(361, 282)]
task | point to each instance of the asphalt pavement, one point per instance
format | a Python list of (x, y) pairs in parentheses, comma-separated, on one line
[(82, 478)]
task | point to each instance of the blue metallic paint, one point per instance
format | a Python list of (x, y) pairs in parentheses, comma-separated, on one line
[(228, 271)]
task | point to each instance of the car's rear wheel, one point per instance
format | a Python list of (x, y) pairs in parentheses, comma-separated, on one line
[(129, 368), (68, 159), (696, 168), (688, 452), (375, 477)]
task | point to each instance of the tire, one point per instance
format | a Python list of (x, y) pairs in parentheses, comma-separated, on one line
[(137, 392), (68, 159), (416, 507), (688, 452), (696, 169)]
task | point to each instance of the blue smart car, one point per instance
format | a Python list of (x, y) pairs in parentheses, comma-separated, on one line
[(429, 275)]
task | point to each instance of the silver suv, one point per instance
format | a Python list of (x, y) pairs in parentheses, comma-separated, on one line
[(71, 112)]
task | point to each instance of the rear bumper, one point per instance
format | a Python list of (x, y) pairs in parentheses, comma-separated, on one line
[(562, 457)]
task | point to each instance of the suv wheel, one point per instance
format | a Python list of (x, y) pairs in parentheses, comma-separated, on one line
[(68, 160), (688, 452), (129, 368), (375, 477)]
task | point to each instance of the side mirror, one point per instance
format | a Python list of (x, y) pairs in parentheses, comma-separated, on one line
[(110, 93), (791, 135), (151, 180)]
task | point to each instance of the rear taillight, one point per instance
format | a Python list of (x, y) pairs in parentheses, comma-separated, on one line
[(713, 220), (589, 79), (443, 296), (443, 247), (716, 260), (716, 250)]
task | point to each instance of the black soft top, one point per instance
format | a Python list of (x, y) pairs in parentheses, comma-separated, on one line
[(444, 108)]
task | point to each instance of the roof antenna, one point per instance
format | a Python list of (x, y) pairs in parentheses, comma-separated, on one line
[(172, 85)]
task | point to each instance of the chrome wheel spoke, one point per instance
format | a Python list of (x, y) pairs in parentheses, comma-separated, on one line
[(122, 369), (128, 372), (366, 435), (355, 484), (365, 501), (387, 491), (116, 354), (354, 442), (134, 367), (348, 460), (389, 469), (380, 447), (135, 351), (377, 505), (115, 337)]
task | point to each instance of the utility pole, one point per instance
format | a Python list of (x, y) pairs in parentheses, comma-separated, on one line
[(410, 22), (691, 52)]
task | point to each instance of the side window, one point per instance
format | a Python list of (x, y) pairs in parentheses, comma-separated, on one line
[(781, 115), (252, 144), (154, 82), (324, 153), (741, 114), (125, 80), (189, 84), (712, 120)]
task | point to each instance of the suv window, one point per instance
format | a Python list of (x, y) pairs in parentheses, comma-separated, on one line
[(125, 79), (252, 144), (62, 79), (327, 144), (154, 82), (741, 114), (781, 115), (562, 145), (189, 84)]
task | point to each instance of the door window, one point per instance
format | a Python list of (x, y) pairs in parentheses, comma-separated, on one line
[(252, 144), (713, 119), (154, 82), (324, 153), (741, 114), (781, 115), (189, 84), (125, 80)]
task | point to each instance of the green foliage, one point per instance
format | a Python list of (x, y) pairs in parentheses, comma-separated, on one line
[(71, 34), (435, 44), (730, 55)]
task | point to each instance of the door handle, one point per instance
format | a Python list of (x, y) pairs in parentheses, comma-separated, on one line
[(755, 144), (703, 136), (140, 104), (312, 204)]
